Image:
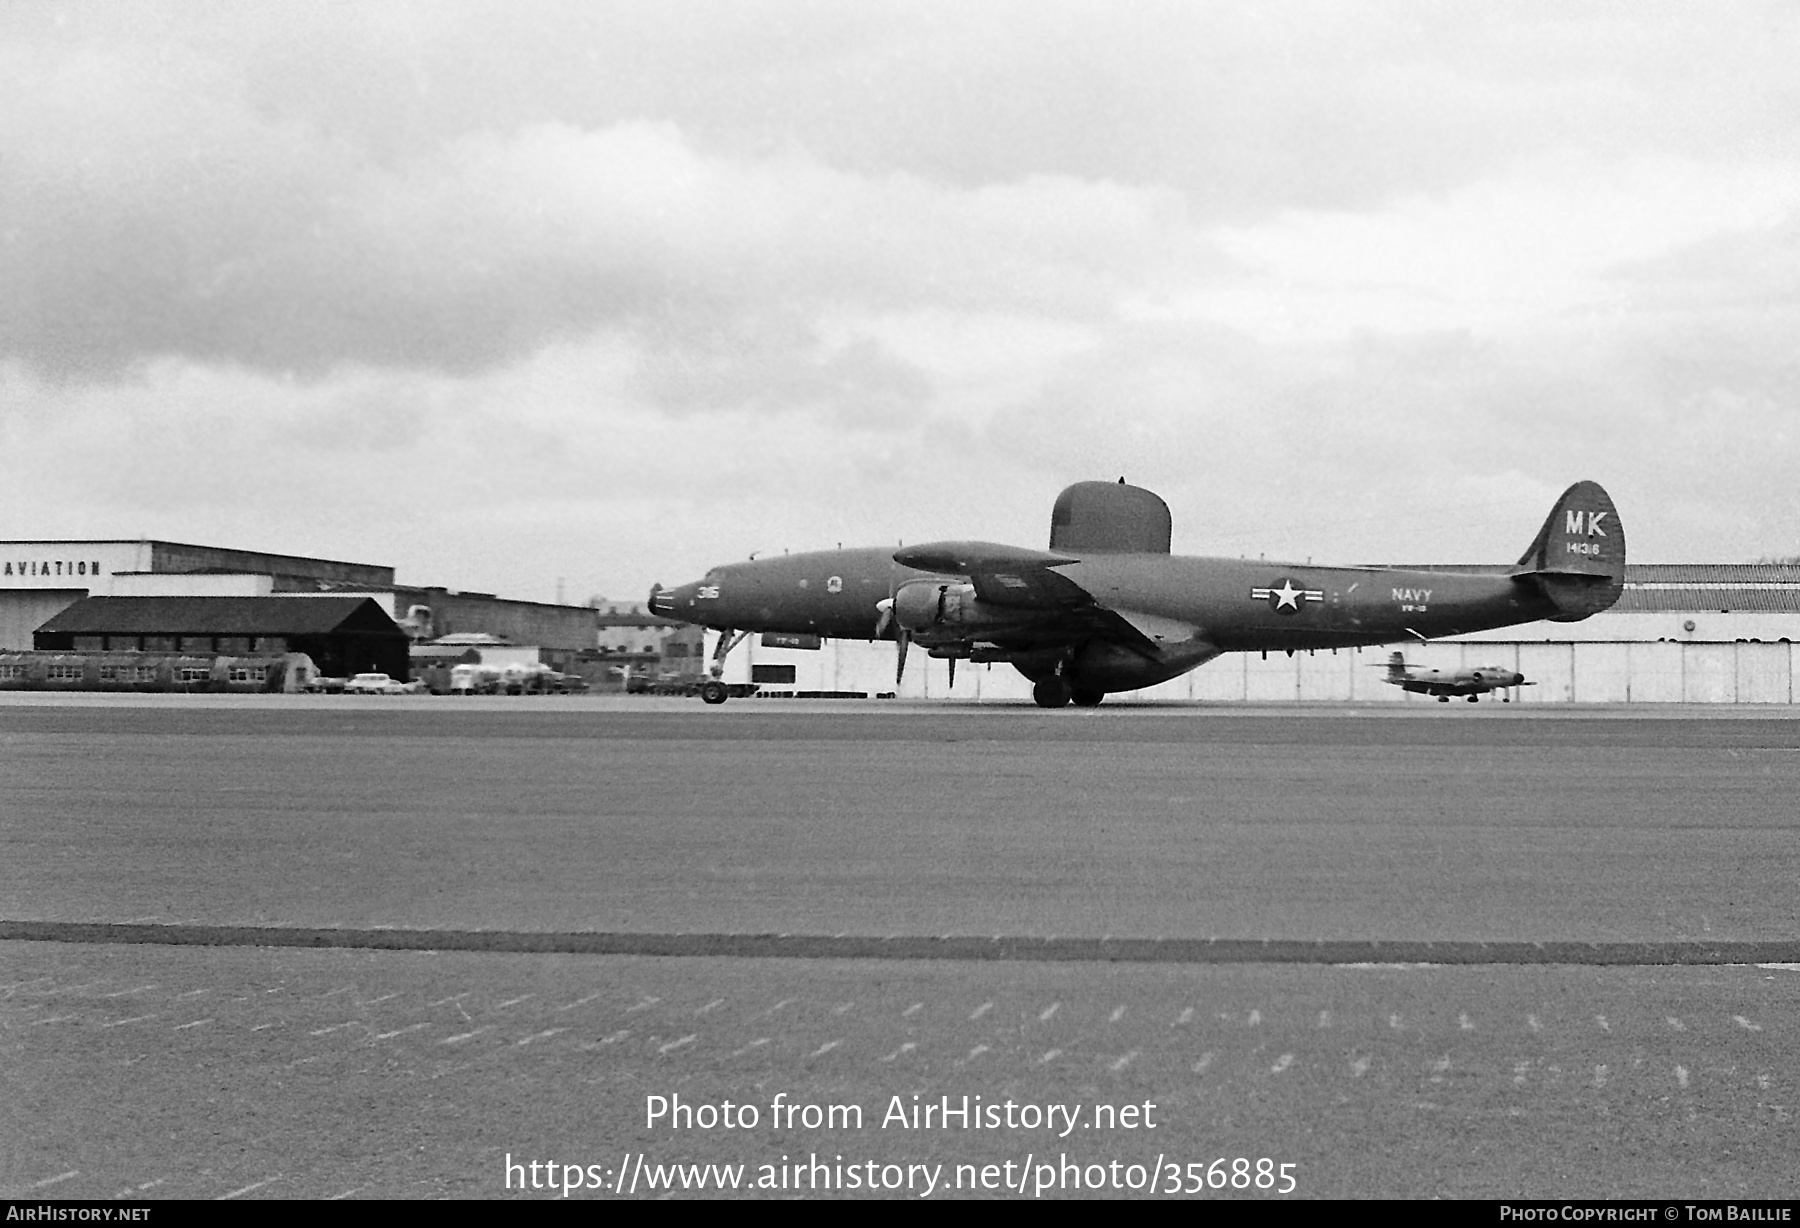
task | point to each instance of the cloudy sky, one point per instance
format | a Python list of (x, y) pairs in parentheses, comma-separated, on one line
[(505, 293)]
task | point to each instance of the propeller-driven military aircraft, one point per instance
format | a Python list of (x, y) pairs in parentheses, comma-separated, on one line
[(1472, 683), (1108, 608)]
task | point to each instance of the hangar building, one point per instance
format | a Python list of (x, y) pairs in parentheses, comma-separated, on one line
[(343, 635), (39, 579)]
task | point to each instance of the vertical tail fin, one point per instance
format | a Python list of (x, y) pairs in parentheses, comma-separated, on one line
[(1578, 558)]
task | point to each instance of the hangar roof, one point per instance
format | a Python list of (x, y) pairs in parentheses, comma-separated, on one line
[(1674, 587), (220, 616), (1710, 586)]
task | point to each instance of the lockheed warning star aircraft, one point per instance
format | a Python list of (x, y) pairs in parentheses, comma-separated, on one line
[(1108, 608), (1473, 683)]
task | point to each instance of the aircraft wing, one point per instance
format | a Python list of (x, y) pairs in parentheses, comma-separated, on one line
[(1114, 627), (968, 558), (1011, 578)]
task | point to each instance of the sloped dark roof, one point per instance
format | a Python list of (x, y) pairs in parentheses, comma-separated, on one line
[(221, 616)]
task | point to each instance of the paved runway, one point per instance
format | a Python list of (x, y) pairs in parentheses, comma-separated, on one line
[(282, 1071)]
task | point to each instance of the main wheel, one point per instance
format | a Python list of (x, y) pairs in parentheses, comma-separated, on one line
[(713, 691), (1051, 692), (1474, 699), (1443, 699), (1086, 697)]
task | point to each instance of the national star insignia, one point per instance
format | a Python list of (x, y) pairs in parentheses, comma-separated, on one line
[(1286, 598)]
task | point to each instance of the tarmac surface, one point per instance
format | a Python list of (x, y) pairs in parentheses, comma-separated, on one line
[(317, 946)]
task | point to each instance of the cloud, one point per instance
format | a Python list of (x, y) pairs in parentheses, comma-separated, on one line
[(1496, 255), (636, 289), (187, 224)]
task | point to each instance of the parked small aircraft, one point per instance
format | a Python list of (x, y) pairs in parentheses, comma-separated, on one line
[(1472, 683), (1108, 608)]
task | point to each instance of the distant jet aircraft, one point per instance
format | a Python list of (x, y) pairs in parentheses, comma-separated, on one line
[(1473, 683), (1107, 608)]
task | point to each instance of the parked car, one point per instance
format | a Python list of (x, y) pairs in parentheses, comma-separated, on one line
[(373, 684)]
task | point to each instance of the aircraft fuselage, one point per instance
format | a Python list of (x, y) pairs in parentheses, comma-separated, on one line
[(1235, 605)]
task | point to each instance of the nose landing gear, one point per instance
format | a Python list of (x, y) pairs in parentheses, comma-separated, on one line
[(714, 690)]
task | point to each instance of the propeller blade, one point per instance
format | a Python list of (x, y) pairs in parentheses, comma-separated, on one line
[(900, 643), (884, 617), (953, 673)]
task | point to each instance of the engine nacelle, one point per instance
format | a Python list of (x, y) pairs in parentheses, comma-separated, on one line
[(924, 606)]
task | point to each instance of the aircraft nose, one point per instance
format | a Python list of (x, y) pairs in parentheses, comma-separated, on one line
[(662, 600)]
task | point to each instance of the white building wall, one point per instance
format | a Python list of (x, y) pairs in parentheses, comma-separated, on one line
[(23, 612), (41, 579), (1602, 673), (1368, 668), (1655, 673), (1551, 668), (1221, 680), (1708, 625), (1561, 673), (1274, 679), (1325, 676), (1709, 673), (1765, 673), (503, 655), (64, 564), (199, 584)]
